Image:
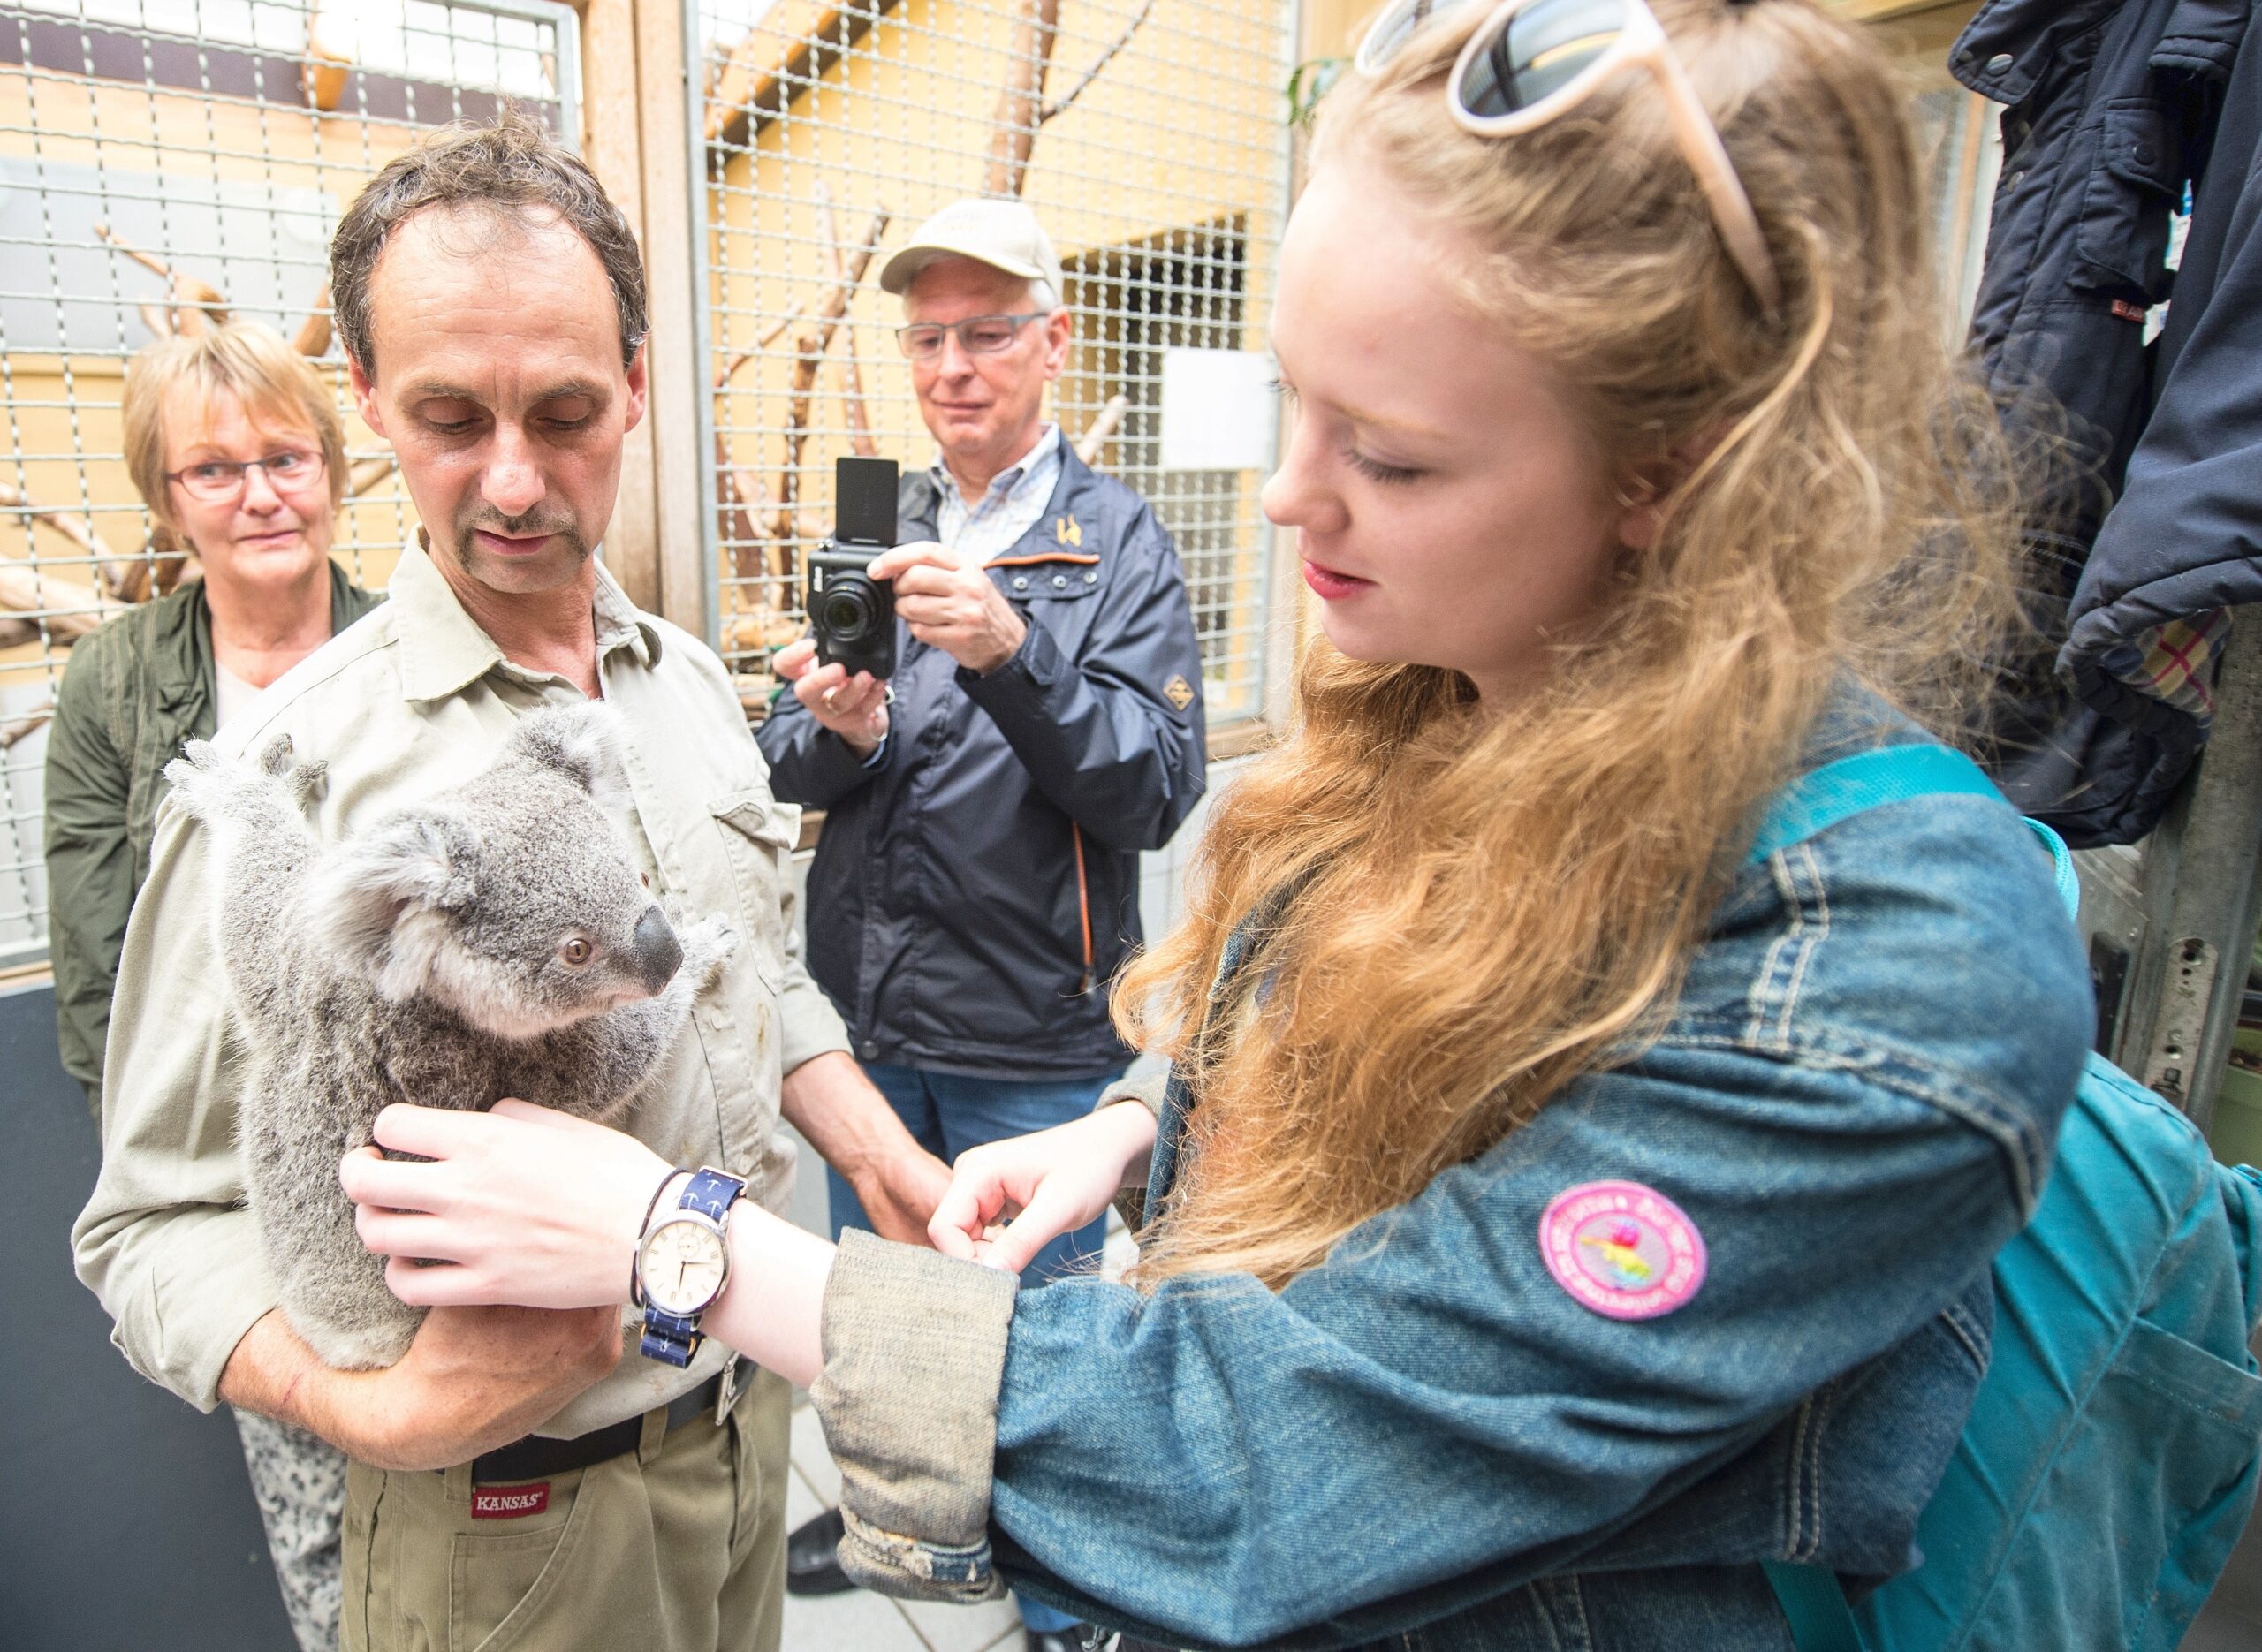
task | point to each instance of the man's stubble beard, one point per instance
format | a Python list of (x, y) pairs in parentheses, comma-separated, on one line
[(559, 563)]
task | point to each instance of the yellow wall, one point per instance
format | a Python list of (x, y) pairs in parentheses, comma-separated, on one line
[(62, 417)]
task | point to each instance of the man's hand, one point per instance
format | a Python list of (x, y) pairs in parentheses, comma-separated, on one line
[(854, 707), (950, 603), (829, 1100), (474, 1379), (900, 1194)]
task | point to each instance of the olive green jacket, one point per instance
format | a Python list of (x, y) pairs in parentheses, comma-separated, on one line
[(135, 690)]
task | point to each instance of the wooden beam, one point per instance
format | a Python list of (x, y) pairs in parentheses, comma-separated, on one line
[(687, 593), (612, 142), (780, 58)]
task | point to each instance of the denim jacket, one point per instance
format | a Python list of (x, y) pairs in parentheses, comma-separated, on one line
[(1853, 1103)]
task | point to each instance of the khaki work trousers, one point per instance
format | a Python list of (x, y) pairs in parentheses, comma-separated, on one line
[(678, 1546)]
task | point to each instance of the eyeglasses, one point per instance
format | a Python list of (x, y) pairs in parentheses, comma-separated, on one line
[(977, 334), (1532, 60), (218, 480)]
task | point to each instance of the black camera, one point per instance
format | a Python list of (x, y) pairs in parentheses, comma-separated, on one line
[(851, 615)]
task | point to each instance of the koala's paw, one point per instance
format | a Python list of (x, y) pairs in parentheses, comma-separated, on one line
[(202, 779), (707, 946), (305, 781)]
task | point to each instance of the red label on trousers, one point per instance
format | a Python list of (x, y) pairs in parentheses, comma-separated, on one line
[(508, 1503)]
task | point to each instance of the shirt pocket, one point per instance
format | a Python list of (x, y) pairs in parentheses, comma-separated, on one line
[(2134, 184), (758, 836), (1055, 594)]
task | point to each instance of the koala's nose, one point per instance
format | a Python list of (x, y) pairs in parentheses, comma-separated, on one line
[(658, 953)]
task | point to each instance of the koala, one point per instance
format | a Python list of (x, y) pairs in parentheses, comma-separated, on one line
[(494, 941)]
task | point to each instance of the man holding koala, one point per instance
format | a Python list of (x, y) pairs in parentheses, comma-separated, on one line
[(511, 1468)]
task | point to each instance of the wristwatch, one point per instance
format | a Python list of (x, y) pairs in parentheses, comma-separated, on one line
[(682, 1263)]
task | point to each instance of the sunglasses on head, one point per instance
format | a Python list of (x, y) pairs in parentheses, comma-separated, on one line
[(1532, 60)]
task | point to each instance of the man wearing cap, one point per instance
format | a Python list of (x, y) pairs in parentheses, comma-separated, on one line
[(976, 884)]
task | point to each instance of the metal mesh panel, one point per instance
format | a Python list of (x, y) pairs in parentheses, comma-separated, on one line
[(1159, 164), (161, 161)]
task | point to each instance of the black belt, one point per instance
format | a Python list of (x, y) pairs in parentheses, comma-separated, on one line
[(537, 1457)]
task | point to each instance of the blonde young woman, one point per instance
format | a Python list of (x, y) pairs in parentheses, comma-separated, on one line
[(234, 443), (1558, 1209)]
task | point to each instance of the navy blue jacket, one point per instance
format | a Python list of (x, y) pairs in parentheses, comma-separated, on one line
[(2113, 108), (974, 890)]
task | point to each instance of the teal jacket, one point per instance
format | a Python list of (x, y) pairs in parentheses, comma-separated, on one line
[(135, 690)]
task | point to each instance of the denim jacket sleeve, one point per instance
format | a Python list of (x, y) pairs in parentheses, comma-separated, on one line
[(1855, 1104)]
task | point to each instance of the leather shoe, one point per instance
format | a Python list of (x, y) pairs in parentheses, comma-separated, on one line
[(813, 1557), (1069, 1639)]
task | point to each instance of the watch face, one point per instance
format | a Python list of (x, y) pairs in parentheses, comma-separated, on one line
[(682, 1266)]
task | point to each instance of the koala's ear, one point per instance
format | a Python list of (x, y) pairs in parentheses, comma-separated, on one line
[(582, 743), (383, 899)]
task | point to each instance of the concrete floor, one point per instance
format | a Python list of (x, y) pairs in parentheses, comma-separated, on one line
[(862, 1622)]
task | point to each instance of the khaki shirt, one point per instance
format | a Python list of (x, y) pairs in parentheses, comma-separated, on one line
[(411, 700)]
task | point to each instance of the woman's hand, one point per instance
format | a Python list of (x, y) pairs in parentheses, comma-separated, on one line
[(1042, 1186), (854, 707), (532, 1207)]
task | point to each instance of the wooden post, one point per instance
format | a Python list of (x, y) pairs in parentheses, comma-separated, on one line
[(685, 592), (612, 142)]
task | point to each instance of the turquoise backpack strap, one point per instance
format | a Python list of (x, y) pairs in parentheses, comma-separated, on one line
[(1822, 796), (1812, 1599), (1815, 1603)]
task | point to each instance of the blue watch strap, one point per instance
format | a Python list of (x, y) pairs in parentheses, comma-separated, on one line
[(672, 1338), (710, 1193)]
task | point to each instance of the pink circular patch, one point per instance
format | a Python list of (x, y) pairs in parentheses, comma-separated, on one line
[(1622, 1249)]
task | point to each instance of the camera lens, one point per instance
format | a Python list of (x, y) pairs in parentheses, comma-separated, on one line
[(848, 612)]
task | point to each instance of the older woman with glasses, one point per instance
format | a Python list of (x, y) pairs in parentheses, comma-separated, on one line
[(234, 443)]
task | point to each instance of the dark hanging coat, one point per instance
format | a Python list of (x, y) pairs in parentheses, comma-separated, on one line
[(2114, 107)]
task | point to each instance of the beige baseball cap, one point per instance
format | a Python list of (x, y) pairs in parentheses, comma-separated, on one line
[(1004, 234)]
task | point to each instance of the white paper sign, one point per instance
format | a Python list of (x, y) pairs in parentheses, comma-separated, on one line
[(1219, 412)]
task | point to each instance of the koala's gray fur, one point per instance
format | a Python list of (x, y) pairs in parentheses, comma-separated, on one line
[(430, 959)]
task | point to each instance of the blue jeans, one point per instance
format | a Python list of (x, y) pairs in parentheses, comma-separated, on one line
[(947, 1115)]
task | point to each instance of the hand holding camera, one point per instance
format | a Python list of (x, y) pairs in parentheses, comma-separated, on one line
[(852, 704), (951, 603), (838, 671)]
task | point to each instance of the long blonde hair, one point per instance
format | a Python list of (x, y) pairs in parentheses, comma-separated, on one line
[(1487, 908)]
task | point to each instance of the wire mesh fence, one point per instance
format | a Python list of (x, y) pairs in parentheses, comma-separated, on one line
[(1151, 139), (164, 164)]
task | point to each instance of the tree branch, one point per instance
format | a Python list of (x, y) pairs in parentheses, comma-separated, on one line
[(1103, 425), (811, 346), (312, 337), (367, 474), (115, 572), (1021, 102), (21, 727), (853, 410), (1098, 64), (191, 304), (29, 590)]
